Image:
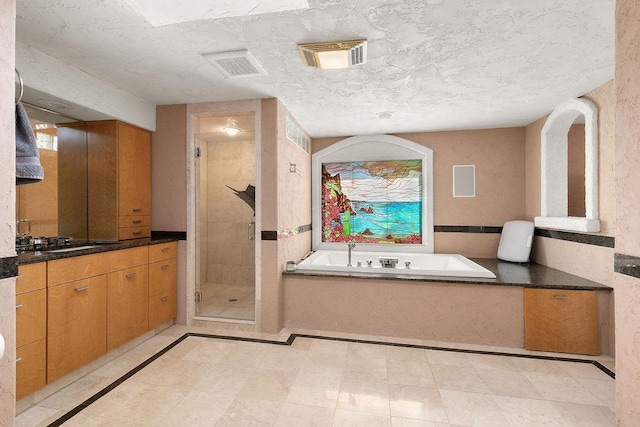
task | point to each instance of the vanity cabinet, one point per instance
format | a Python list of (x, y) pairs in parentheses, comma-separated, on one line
[(127, 305), (561, 321), (31, 328), (119, 181), (162, 283)]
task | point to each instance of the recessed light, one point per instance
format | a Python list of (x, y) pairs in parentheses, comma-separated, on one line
[(385, 115), (231, 131), (53, 103)]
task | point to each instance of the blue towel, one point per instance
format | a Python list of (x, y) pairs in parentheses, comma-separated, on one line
[(28, 167)]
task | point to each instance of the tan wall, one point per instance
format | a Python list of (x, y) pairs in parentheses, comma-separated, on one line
[(627, 219), (499, 157), (168, 169), (474, 314), (589, 261), (7, 207)]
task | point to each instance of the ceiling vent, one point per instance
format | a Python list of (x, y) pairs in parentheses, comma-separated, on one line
[(237, 63), (334, 55)]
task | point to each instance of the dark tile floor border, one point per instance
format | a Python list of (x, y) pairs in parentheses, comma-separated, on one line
[(75, 411)]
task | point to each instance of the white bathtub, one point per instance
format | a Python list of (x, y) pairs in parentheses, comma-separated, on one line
[(449, 265)]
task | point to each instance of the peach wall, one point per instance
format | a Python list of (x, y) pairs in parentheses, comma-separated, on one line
[(627, 219), (450, 312), (168, 169), (589, 261), (499, 157)]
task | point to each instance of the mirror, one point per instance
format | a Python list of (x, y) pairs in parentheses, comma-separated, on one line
[(56, 206), (576, 190)]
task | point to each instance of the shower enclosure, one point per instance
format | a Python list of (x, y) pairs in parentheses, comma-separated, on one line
[(225, 176)]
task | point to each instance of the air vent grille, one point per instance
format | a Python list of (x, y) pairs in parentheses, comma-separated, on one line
[(356, 51), (238, 63)]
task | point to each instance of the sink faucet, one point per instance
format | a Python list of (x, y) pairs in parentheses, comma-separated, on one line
[(350, 245)]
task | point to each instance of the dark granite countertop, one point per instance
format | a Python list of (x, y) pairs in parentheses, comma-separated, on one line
[(528, 275), (31, 257)]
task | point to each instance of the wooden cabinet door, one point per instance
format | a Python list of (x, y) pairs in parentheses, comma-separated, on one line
[(76, 325), (134, 170), (31, 373), (32, 277), (561, 321), (162, 308), (31, 317), (127, 305), (162, 276)]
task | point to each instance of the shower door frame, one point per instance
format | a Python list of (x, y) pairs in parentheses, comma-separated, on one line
[(194, 113)]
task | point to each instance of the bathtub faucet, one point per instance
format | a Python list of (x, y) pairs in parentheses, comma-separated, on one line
[(350, 245)]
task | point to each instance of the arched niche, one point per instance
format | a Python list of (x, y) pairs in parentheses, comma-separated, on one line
[(374, 148), (554, 168)]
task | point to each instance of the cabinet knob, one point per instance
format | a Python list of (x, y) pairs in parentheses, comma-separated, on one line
[(165, 249), (130, 275), (81, 288), (136, 210), (164, 298), (18, 305), (560, 296), (18, 359), (137, 221)]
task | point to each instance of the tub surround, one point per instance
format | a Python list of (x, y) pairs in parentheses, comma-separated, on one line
[(588, 239)]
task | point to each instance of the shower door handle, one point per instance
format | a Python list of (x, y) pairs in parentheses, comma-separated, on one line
[(251, 230)]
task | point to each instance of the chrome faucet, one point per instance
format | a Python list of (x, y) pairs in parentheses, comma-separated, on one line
[(350, 245)]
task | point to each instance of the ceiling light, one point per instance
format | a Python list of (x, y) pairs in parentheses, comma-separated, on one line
[(334, 55), (231, 131), (385, 115)]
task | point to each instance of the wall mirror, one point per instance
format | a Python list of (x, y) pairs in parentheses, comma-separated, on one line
[(569, 168), (56, 206)]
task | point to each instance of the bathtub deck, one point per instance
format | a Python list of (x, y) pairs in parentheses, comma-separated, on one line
[(527, 275)]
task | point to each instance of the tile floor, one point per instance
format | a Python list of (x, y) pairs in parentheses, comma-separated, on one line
[(317, 382), (227, 301)]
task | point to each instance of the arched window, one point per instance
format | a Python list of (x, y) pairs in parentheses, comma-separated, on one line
[(374, 190), (555, 161)]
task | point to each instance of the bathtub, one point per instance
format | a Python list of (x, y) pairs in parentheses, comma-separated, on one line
[(447, 265)]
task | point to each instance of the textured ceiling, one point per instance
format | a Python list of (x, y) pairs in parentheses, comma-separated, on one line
[(436, 64)]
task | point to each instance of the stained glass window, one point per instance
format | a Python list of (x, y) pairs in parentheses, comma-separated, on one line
[(372, 201)]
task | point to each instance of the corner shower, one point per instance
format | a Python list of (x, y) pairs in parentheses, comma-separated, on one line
[(225, 177)]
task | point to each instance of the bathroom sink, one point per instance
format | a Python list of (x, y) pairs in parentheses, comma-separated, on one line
[(77, 248)]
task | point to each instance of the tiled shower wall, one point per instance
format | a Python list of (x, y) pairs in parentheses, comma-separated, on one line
[(230, 255)]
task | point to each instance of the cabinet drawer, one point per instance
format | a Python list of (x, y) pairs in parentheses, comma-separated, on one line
[(162, 276), (561, 321), (163, 251), (127, 305), (76, 325), (162, 308), (32, 277), (134, 221), (30, 368), (126, 233), (31, 317)]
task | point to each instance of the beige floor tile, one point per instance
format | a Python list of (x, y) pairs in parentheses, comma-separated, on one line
[(76, 392), (209, 350), (410, 372), (324, 364), (363, 350), (529, 412), (508, 383), (268, 384), (329, 346), (422, 403), (170, 372), (359, 367), (360, 419), (284, 359), (460, 378), (223, 378), (198, 408), (538, 366), (452, 358), (488, 361), (406, 353), (563, 389), (584, 370), (603, 390), (36, 416), (472, 409), (137, 402), (407, 422), (294, 415), (325, 397), (364, 396), (584, 415), (245, 411)]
